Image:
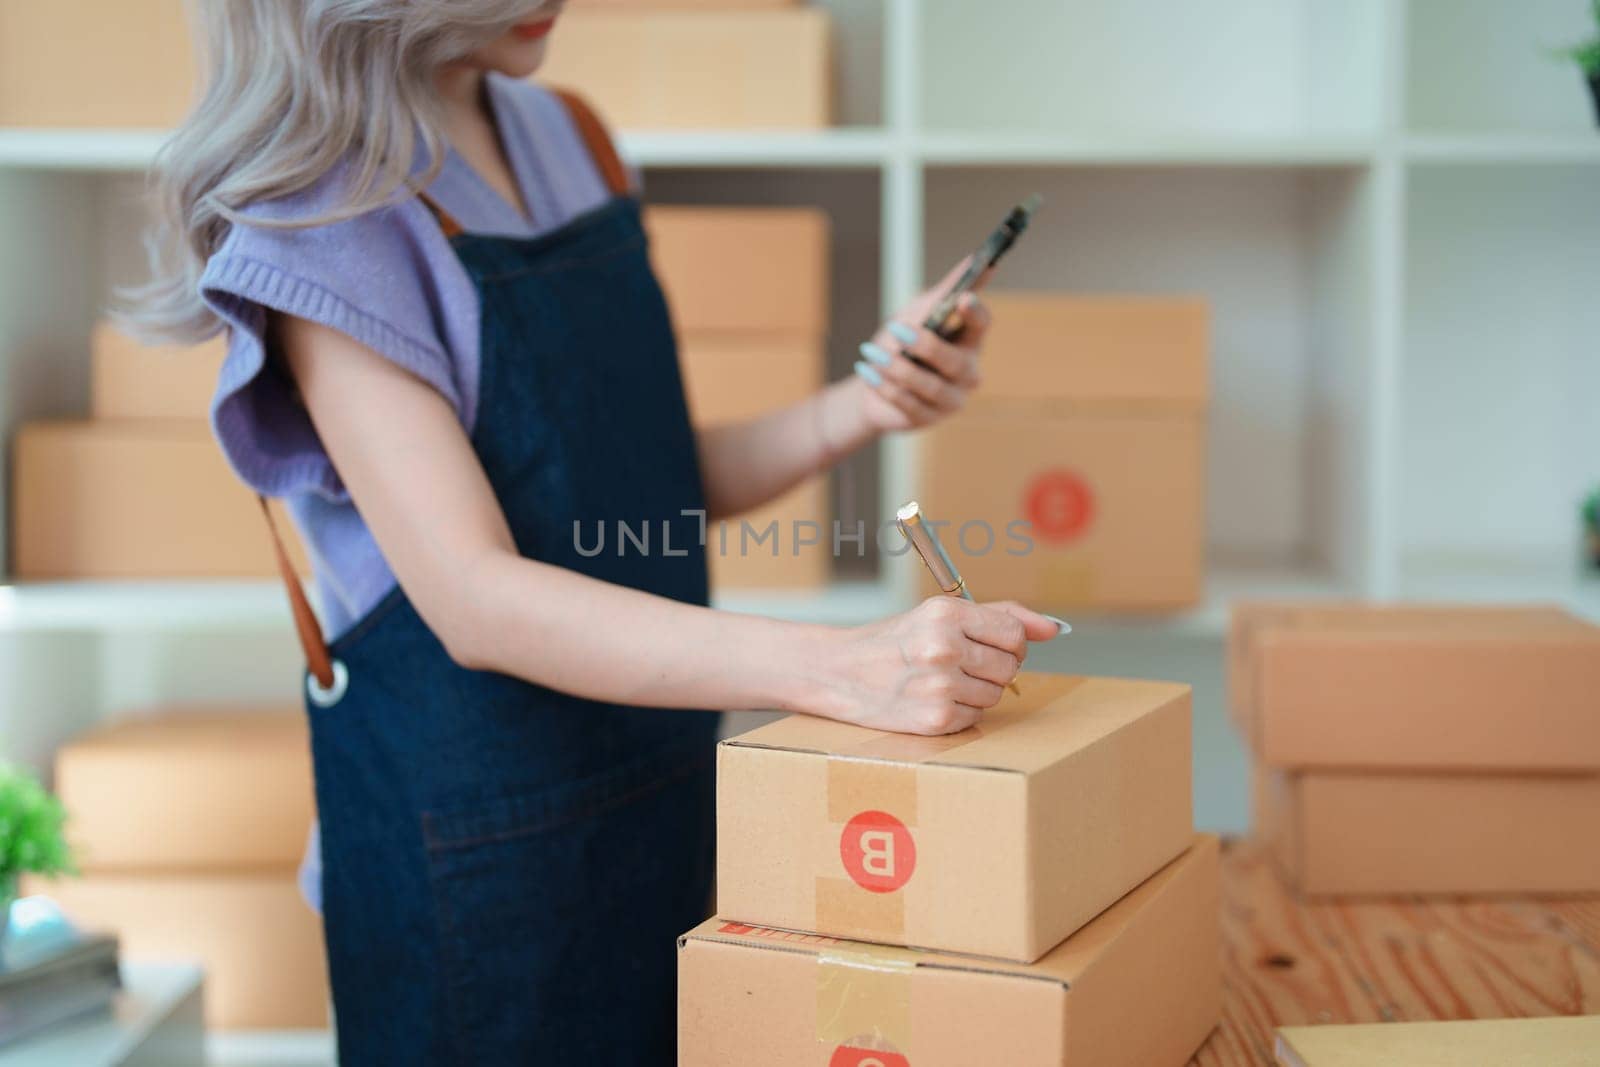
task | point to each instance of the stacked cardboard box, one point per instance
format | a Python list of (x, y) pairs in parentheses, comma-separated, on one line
[(697, 65), (1029, 891), (717, 63), (139, 490), (188, 827), (1422, 749), (1077, 476), (748, 289)]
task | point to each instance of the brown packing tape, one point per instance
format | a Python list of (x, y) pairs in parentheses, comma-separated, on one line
[(864, 1002), (857, 785), (857, 913)]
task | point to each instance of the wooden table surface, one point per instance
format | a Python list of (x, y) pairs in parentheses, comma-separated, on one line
[(1287, 962)]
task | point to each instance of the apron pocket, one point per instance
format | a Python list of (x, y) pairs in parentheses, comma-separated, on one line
[(575, 894)]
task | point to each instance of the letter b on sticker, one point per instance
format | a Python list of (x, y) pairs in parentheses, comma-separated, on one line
[(878, 852)]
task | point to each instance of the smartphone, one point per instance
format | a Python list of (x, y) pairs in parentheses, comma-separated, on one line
[(945, 318)]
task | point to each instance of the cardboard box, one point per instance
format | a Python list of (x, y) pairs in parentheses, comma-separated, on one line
[(732, 376), (1418, 686), (260, 944), (131, 380), (134, 498), (1103, 510), (1054, 806), (751, 270), (1081, 464), (697, 69), (1142, 351), (108, 63), (1379, 834), (189, 790), (1140, 986), (1568, 1041), (786, 544)]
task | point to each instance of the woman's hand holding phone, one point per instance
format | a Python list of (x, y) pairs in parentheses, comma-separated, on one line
[(899, 392)]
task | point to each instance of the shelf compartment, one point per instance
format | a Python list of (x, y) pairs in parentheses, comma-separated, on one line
[(1490, 66), (1234, 67), (1500, 377)]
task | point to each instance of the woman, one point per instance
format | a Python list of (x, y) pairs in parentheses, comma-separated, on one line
[(447, 351)]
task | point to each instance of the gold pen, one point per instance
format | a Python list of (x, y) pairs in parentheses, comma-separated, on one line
[(926, 542)]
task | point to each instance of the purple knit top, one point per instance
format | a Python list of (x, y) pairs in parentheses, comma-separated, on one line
[(390, 280)]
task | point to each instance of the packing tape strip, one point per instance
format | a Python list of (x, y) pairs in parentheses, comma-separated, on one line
[(864, 1001)]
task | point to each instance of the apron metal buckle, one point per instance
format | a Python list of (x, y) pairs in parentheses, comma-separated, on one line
[(327, 698)]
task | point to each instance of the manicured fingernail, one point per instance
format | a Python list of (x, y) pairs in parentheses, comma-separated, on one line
[(902, 333), (875, 354), (869, 373), (1065, 627)]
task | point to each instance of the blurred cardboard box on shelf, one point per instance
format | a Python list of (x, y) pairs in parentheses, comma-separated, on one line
[(1076, 478), (1077, 511), (748, 288), (691, 5), (193, 789), (1140, 986), (1143, 351), (258, 941), (1057, 804), (732, 376), (131, 380), (699, 69), (759, 270), (133, 498), (104, 65), (1373, 833), (1438, 687)]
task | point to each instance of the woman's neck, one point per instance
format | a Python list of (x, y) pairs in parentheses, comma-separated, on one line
[(460, 90)]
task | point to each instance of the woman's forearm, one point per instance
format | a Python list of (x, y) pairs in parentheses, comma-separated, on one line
[(560, 629), (746, 464)]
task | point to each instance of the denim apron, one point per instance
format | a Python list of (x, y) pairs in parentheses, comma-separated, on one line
[(506, 868)]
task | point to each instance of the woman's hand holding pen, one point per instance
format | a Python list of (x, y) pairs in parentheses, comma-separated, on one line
[(931, 670), (898, 394)]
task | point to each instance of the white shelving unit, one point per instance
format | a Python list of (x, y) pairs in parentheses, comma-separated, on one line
[(1389, 204)]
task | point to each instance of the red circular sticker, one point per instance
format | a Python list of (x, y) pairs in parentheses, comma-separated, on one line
[(877, 851), (1060, 505), (854, 1056)]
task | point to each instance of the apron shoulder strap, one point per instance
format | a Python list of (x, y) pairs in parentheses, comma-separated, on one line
[(598, 141), (318, 661)]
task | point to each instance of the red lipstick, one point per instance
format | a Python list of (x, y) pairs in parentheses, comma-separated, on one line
[(532, 31)]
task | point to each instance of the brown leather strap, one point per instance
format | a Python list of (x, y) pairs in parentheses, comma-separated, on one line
[(595, 137), (447, 221), (318, 662)]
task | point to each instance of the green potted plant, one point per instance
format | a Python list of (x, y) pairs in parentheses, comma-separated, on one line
[(31, 837), (1591, 529), (1587, 56)]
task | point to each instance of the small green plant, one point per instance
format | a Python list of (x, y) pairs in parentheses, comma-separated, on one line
[(31, 822), (1591, 512), (1587, 54)]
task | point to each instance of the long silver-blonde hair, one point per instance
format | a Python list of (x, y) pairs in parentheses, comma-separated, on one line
[(294, 88)]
